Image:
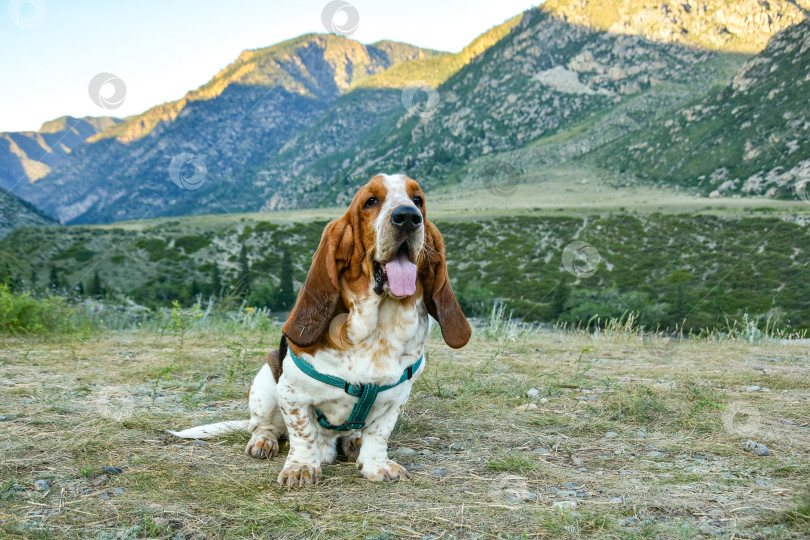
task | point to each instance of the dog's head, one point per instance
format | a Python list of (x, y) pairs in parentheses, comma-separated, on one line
[(383, 245)]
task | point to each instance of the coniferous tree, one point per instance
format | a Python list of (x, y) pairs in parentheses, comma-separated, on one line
[(7, 278), (194, 290), (216, 281), (559, 299), (286, 294), (243, 282), (53, 279), (95, 289)]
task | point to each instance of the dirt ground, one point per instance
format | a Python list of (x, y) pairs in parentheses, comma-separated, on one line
[(548, 434)]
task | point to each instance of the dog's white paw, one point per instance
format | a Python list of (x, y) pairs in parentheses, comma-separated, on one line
[(262, 446), (299, 474), (383, 471)]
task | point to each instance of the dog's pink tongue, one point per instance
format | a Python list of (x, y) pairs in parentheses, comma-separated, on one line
[(401, 275)]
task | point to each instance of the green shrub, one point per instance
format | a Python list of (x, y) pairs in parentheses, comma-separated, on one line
[(191, 244), (24, 314)]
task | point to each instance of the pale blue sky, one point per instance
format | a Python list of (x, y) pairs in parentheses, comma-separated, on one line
[(161, 49)]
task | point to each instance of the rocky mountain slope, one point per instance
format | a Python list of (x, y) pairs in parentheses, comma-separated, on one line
[(302, 123), (244, 115), (16, 213), (752, 137), (27, 156), (568, 78)]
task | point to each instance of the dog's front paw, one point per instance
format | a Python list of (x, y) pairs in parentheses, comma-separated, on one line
[(262, 446), (383, 471), (299, 474)]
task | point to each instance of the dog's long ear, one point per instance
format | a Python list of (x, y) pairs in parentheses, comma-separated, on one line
[(439, 296), (318, 299)]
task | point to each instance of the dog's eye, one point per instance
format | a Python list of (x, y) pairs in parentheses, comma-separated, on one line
[(370, 202), (417, 201)]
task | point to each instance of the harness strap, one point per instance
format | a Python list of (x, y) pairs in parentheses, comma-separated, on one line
[(367, 393)]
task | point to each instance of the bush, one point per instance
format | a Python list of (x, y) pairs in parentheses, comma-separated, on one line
[(24, 314)]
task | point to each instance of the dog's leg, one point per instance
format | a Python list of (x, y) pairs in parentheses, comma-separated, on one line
[(327, 446), (303, 463), (351, 445), (266, 423), (373, 462)]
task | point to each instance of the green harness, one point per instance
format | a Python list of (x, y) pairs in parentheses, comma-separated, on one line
[(366, 392)]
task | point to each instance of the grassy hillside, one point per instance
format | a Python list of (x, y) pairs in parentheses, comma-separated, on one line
[(695, 271)]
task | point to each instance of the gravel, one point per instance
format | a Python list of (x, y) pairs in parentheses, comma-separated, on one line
[(98, 480), (528, 407), (757, 448), (41, 485), (562, 506)]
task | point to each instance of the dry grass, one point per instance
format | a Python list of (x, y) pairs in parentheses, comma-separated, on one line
[(69, 407)]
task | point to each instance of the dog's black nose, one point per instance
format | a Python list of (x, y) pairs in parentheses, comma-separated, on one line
[(406, 218)]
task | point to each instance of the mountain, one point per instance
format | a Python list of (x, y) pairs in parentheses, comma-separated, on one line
[(566, 79), (241, 117), (302, 123), (372, 106), (16, 213), (751, 137), (27, 156)]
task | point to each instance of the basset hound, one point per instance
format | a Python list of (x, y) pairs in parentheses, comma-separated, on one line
[(354, 343)]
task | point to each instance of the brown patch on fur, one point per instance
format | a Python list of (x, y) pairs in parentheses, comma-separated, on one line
[(275, 365), (439, 296)]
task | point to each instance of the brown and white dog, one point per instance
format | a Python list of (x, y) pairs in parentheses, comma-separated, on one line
[(362, 316)]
